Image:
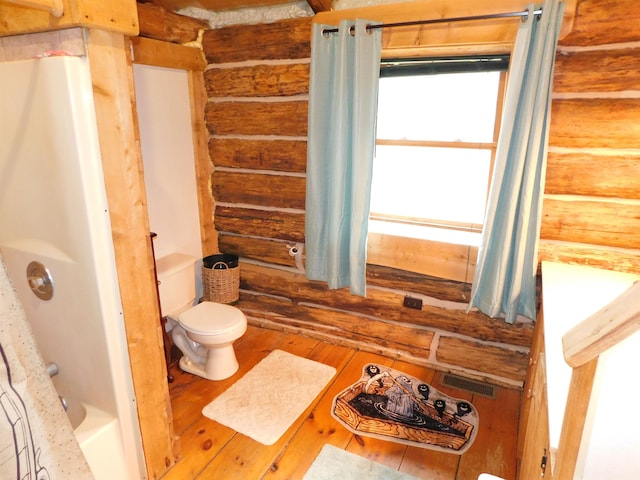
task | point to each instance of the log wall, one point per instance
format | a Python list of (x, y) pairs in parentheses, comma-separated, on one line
[(258, 81), (591, 213)]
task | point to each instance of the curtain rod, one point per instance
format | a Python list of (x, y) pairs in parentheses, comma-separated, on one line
[(524, 13)]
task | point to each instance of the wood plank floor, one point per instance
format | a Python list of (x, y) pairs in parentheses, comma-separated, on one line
[(213, 451)]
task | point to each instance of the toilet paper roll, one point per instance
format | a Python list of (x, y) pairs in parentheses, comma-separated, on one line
[(296, 252)]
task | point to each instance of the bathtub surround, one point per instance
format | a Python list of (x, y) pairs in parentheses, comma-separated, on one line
[(49, 444), (270, 397), (54, 211)]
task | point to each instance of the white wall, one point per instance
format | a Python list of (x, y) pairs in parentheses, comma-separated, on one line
[(610, 443), (162, 99)]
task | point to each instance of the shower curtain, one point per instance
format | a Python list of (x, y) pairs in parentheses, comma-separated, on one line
[(36, 438)]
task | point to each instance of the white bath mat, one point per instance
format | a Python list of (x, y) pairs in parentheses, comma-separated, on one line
[(333, 463), (271, 396)]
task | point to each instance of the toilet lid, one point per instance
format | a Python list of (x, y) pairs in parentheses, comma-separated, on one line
[(211, 318)]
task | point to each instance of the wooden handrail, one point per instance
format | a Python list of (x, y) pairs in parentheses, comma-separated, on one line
[(54, 7), (604, 329)]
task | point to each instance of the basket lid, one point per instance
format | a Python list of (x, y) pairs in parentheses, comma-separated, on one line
[(210, 318), (220, 260)]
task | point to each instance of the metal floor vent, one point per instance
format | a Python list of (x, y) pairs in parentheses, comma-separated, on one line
[(472, 386)]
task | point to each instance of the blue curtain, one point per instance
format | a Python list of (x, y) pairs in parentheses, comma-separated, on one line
[(504, 280), (343, 99)]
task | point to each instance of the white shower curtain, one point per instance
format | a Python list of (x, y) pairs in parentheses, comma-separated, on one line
[(36, 438), (343, 98)]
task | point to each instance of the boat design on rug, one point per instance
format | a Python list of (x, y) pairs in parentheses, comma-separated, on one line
[(391, 405)]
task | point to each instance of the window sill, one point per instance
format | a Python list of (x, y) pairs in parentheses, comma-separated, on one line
[(421, 232), (452, 259)]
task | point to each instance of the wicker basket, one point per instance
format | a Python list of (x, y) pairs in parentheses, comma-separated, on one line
[(220, 279)]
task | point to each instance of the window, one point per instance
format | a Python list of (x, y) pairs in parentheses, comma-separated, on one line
[(438, 123)]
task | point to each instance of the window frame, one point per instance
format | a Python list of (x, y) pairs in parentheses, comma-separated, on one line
[(448, 260)]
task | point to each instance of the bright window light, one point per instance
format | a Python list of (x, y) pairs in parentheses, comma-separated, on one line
[(449, 107), (434, 153), (446, 184)]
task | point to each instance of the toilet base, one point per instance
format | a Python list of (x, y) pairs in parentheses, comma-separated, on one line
[(221, 364)]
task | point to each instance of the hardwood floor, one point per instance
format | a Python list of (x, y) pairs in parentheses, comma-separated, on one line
[(213, 451)]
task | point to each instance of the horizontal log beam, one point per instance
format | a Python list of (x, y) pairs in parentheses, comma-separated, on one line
[(603, 22), (592, 221), (593, 175), (265, 250), (418, 284), (277, 252), (397, 340), (598, 256), (382, 304), (158, 23), (258, 81), (147, 51), (288, 39), (595, 123), (581, 71), (343, 324), (260, 223), (279, 191), (275, 155), (484, 358), (257, 118)]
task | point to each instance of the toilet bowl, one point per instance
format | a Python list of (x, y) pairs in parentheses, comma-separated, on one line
[(210, 330), (204, 333)]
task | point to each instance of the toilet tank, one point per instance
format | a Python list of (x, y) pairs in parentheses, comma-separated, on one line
[(176, 282)]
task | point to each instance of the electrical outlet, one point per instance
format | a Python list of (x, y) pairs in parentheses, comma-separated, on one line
[(412, 302)]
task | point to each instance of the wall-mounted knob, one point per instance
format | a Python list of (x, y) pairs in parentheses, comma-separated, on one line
[(53, 369), (40, 281)]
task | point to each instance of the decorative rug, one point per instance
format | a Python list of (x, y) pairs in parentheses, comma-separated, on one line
[(333, 463), (391, 405), (266, 401)]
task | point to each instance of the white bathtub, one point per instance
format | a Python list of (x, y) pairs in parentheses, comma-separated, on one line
[(98, 434)]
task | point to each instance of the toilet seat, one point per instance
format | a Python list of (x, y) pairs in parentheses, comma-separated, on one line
[(209, 318)]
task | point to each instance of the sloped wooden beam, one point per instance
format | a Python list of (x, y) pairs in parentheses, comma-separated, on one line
[(604, 329)]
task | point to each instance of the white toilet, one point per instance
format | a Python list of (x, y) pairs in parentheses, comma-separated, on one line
[(204, 333)]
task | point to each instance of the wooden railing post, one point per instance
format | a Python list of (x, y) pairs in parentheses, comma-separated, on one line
[(574, 418)]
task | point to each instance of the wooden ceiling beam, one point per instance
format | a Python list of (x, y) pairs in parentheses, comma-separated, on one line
[(217, 5), (54, 7), (320, 5), (158, 23)]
